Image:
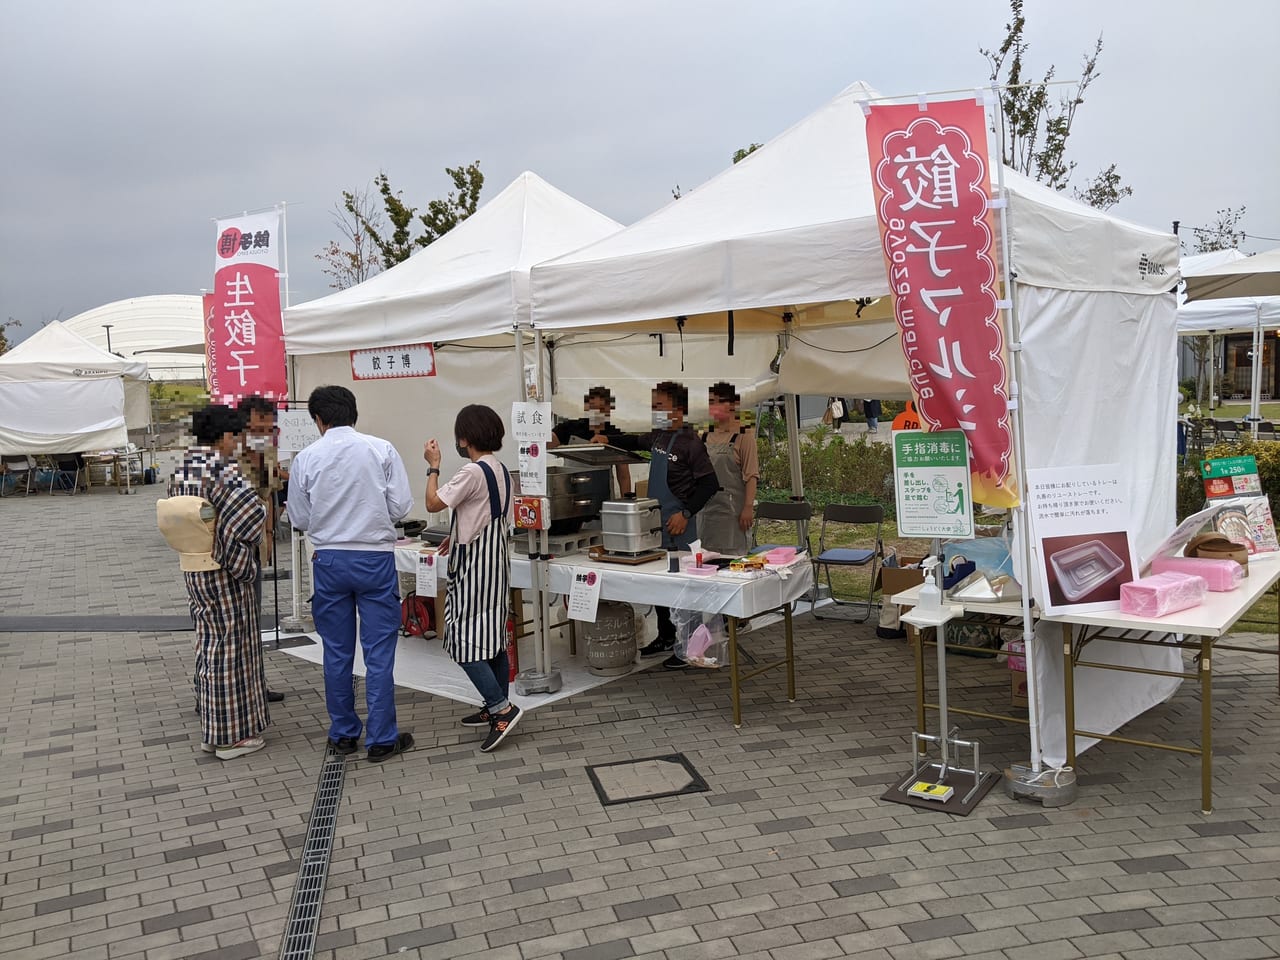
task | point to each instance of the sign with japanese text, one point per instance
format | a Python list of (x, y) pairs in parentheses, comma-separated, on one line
[(297, 430), (931, 482), (244, 339), (393, 363), (531, 429), (1230, 477), (533, 513), (1081, 521), (929, 173), (427, 575), (584, 594)]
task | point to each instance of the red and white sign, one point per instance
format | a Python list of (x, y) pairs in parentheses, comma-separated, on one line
[(929, 171), (393, 363), (244, 337)]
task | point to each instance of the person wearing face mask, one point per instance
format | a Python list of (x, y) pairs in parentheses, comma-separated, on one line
[(478, 598), (726, 520), (346, 492), (257, 460), (682, 479), (598, 404)]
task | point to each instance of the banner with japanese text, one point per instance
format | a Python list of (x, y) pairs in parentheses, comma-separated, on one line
[(244, 337), (930, 173)]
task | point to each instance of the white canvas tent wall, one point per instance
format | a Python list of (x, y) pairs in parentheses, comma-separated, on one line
[(1256, 276), (61, 394), (468, 290), (792, 229)]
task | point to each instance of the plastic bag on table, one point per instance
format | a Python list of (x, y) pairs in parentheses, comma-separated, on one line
[(701, 638)]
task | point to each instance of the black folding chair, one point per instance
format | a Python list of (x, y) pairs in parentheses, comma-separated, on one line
[(864, 518), (20, 470), (798, 512), (64, 466)]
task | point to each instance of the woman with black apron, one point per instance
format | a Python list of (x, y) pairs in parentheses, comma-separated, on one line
[(477, 600)]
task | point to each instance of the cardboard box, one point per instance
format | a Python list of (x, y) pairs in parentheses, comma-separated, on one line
[(1018, 688), (891, 580)]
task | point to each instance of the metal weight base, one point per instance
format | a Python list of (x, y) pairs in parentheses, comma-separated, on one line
[(970, 784), (529, 682), (1052, 788)]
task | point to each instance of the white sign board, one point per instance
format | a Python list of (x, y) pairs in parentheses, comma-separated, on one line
[(426, 581), (297, 430), (931, 484), (531, 428), (1081, 520), (394, 363), (584, 594)]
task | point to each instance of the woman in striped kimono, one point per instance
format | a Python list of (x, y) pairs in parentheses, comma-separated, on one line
[(230, 690), (477, 603)]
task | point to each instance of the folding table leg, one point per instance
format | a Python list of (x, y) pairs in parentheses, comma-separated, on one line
[(791, 655), (1068, 692), (1206, 725), (733, 671)]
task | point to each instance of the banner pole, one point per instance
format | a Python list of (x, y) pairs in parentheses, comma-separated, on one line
[(1022, 526)]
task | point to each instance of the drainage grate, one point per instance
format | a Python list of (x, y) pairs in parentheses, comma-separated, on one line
[(299, 941)]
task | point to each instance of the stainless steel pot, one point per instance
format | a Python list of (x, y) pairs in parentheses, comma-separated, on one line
[(576, 494)]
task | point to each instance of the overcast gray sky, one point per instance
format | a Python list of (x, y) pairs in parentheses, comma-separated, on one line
[(128, 125)]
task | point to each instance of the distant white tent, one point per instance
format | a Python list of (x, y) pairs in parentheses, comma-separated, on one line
[(1256, 276), (61, 394), (143, 327)]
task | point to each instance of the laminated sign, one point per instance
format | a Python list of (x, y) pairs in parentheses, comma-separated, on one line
[(531, 428), (931, 482), (929, 173)]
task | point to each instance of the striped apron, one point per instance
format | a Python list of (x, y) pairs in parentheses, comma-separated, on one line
[(477, 601)]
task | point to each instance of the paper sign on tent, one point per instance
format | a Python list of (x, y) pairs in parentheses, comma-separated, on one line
[(427, 576), (584, 594)]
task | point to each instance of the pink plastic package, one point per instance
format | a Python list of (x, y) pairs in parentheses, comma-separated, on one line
[(1221, 575), (1162, 594)]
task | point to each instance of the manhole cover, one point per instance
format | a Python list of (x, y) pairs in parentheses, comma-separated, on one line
[(629, 780)]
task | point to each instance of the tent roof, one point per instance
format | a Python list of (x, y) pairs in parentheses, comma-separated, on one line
[(1256, 276), (145, 325), (793, 227), (472, 282), (1223, 316), (58, 353)]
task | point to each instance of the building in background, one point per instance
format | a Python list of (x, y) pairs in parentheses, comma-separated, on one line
[(141, 325)]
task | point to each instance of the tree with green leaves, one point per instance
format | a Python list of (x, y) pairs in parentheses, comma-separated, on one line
[(4, 336), (411, 231), (1037, 124), (738, 155)]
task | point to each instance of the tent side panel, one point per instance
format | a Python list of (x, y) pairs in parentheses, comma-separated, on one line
[(61, 416)]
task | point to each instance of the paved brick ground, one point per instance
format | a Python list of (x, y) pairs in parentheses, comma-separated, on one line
[(118, 838)]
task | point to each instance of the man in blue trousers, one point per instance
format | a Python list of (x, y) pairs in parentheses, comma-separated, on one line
[(346, 492)]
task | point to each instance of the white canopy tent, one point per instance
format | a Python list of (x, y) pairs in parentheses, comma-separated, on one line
[(1230, 315), (61, 394), (788, 241), (1256, 276)]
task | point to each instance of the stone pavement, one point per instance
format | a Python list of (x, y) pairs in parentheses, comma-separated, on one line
[(119, 838)]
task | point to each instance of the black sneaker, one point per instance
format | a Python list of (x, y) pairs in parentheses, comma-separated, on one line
[(658, 646), (673, 662), (501, 725), (344, 746), (385, 751), (481, 719), (275, 696)]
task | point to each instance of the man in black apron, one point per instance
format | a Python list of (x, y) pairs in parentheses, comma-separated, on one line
[(682, 479)]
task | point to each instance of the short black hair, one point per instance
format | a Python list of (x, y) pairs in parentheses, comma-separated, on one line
[(480, 426), (599, 393), (724, 391), (211, 422), (678, 393), (333, 406), (256, 404)]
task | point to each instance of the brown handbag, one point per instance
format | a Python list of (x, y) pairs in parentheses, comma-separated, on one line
[(1214, 546)]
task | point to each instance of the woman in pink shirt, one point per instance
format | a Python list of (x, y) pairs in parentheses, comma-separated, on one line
[(477, 601)]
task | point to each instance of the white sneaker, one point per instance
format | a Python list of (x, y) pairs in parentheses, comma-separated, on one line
[(250, 745), (208, 748)]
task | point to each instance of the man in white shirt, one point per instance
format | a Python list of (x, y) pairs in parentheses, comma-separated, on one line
[(346, 491)]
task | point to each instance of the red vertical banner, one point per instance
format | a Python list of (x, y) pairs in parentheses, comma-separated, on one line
[(244, 336), (209, 307), (929, 169)]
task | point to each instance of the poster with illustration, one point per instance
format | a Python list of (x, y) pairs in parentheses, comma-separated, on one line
[(931, 483), (1081, 521)]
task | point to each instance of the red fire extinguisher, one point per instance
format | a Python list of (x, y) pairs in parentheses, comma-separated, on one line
[(513, 650)]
